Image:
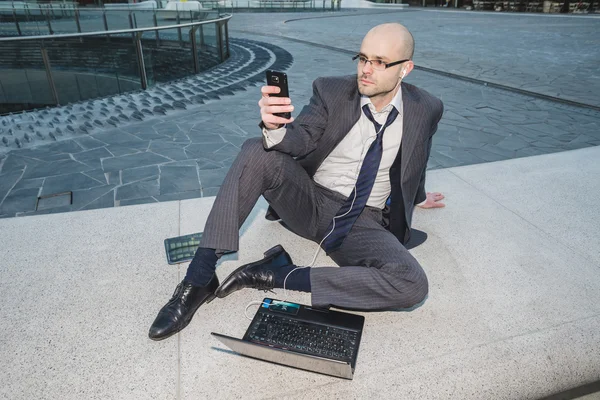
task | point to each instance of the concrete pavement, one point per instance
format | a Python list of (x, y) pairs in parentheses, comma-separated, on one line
[(512, 310)]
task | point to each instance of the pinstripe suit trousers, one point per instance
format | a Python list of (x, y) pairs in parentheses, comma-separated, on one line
[(375, 270)]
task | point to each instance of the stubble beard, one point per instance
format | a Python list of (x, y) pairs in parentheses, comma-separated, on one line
[(372, 91)]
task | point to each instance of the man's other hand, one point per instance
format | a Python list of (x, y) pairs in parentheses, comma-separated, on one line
[(270, 105), (433, 200)]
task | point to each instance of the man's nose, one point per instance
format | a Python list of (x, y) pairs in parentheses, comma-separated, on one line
[(367, 68)]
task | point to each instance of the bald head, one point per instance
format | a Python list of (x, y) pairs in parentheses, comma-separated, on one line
[(396, 36), (384, 60)]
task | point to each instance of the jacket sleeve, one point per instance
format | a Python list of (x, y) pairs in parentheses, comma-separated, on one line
[(421, 194), (302, 135)]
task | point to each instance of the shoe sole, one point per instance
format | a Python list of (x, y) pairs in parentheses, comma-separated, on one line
[(186, 323)]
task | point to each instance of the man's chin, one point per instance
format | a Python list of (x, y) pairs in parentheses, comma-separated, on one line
[(365, 90)]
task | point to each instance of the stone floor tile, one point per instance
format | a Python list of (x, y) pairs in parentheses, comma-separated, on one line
[(97, 174), (178, 179), (137, 190), (7, 181), (118, 137), (89, 143), (132, 202), (106, 200), (19, 201), (210, 191), (62, 201), (93, 157), (81, 198), (68, 183), (212, 178), (201, 150), (25, 184), (174, 154), (511, 143), (132, 161), (192, 194), (141, 173), (55, 168), (117, 150)]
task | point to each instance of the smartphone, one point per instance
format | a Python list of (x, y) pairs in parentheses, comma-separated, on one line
[(279, 79)]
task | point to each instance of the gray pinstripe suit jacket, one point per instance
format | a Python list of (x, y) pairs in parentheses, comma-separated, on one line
[(334, 109)]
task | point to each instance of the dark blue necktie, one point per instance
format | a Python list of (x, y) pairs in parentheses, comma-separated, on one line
[(364, 185)]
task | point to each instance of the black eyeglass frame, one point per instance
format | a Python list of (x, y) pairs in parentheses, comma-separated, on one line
[(387, 65)]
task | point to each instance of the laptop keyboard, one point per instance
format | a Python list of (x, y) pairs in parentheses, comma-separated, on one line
[(304, 337)]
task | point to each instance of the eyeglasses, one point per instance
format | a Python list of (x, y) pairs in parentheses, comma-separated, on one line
[(378, 65)]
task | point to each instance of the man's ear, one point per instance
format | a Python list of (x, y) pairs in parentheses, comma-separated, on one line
[(407, 69)]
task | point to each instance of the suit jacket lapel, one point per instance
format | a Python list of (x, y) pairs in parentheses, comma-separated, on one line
[(410, 127), (346, 122), (346, 113)]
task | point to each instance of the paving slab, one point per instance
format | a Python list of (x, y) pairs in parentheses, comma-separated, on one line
[(75, 288)]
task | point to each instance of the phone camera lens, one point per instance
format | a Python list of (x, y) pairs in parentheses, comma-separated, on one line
[(276, 79)]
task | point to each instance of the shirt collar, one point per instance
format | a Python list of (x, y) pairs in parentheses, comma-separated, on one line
[(396, 102)]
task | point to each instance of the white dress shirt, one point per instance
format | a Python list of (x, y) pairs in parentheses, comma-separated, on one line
[(340, 170)]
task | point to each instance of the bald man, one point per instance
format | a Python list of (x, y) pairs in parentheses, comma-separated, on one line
[(346, 174)]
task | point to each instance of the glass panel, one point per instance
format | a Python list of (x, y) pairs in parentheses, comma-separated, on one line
[(8, 26), (143, 18), (117, 19), (210, 38), (93, 67), (207, 56), (91, 20), (170, 58), (63, 18), (35, 21), (23, 78)]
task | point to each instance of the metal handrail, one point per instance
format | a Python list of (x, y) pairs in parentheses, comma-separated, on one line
[(120, 31)]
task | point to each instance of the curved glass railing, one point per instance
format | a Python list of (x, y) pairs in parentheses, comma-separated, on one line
[(56, 69), (20, 19), (28, 18)]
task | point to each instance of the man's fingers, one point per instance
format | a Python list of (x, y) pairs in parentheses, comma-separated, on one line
[(275, 120), (267, 90), (274, 101), (277, 109)]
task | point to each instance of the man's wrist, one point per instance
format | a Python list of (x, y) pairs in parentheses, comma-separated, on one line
[(279, 126)]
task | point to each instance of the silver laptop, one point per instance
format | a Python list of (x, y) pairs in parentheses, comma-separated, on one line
[(299, 336)]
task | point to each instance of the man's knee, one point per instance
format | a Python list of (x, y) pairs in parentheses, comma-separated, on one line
[(255, 156), (253, 145), (412, 286)]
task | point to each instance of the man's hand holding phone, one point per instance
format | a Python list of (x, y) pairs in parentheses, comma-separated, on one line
[(270, 105)]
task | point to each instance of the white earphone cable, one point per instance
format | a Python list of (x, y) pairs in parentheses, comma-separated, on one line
[(312, 263), (285, 295)]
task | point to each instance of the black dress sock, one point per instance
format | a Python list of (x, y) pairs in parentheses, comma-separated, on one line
[(297, 280), (202, 268)]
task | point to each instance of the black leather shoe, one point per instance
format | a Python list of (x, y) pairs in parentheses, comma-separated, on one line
[(178, 312), (256, 275)]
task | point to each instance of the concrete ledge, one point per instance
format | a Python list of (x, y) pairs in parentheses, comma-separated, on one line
[(513, 309)]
